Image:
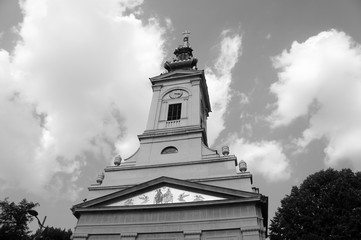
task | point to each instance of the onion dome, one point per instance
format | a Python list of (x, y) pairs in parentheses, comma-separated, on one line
[(184, 58), (117, 160), (242, 166)]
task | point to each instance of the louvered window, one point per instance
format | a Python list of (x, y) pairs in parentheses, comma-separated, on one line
[(174, 111)]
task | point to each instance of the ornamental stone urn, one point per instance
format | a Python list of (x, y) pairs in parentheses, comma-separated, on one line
[(225, 150), (242, 166)]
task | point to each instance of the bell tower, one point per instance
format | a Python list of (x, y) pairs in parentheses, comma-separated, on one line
[(180, 96), (177, 120)]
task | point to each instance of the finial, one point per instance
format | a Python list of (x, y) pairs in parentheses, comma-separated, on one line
[(100, 178), (225, 150), (117, 160), (186, 38), (183, 56), (242, 166)]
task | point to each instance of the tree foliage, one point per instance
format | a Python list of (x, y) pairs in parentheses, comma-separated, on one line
[(327, 205), (51, 233), (14, 219)]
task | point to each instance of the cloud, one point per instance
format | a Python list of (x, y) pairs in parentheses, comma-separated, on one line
[(264, 157), (219, 79), (320, 79), (70, 88)]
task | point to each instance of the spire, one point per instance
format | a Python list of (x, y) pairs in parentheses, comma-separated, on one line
[(184, 58)]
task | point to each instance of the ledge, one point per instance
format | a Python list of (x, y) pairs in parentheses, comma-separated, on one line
[(171, 131), (200, 180), (209, 160)]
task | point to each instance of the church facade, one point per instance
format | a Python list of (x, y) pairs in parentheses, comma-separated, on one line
[(174, 187)]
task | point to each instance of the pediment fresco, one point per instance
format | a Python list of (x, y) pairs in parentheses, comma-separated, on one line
[(165, 195)]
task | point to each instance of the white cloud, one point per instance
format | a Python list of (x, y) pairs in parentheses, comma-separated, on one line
[(71, 73), (219, 79), (263, 157), (321, 78)]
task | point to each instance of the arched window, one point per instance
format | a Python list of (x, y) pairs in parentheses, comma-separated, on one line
[(169, 150)]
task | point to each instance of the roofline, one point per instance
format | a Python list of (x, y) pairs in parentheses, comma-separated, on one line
[(256, 199), (172, 181)]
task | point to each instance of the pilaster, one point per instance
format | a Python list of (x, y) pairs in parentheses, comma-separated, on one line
[(152, 119), (195, 120)]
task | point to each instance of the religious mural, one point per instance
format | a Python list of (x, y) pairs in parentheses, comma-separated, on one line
[(165, 195)]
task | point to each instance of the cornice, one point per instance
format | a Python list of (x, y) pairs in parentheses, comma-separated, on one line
[(171, 131), (202, 161), (254, 199), (198, 180)]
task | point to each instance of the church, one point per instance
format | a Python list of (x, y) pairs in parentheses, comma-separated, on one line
[(174, 187)]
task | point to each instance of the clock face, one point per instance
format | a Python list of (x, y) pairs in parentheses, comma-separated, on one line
[(176, 94)]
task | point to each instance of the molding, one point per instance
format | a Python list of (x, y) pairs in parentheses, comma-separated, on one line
[(80, 236), (177, 74), (185, 221), (171, 205), (157, 87), (170, 89), (128, 234), (200, 180), (195, 82), (192, 232), (192, 235), (251, 230), (231, 194), (209, 160), (171, 131)]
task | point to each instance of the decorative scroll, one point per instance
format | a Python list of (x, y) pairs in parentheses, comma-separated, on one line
[(176, 94), (165, 195)]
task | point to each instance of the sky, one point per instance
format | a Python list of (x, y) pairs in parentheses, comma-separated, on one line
[(284, 79)]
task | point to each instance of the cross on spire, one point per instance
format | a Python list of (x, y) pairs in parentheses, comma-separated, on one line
[(185, 38), (186, 33)]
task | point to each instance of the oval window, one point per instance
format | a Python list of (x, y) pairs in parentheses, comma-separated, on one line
[(169, 150)]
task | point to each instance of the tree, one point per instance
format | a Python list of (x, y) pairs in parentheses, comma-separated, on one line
[(51, 233), (327, 205), (14, 219)]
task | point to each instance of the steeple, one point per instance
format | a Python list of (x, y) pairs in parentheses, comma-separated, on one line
[(180, 97), (184, 58)]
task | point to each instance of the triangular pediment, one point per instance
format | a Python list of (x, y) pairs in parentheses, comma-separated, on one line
[(178, 74), (167, 191)]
